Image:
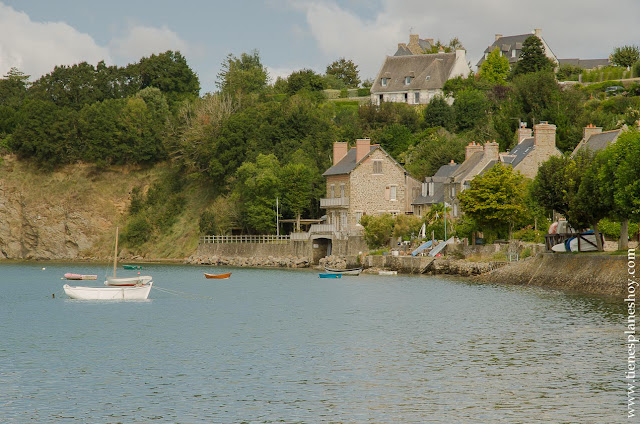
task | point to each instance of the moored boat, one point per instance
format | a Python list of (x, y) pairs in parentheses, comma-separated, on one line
[(218, 276), (351, 271), (139, 292), (132, 266), (72, 276), (128, 281), (329, 275)]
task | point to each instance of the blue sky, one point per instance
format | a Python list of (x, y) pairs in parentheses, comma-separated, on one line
[(36, 35)]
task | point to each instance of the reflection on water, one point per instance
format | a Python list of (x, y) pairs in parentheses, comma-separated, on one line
[(286, 346)]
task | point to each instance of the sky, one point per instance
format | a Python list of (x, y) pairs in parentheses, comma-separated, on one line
[(36, 35)]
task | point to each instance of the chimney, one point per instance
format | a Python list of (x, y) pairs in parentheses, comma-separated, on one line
[(363, 146), (402, 46), (413, 38), (538, 32), (472, 148), (340, 150), (441, 49), (460, 54), (498, 36), (590, 130), (524, 132), (492, 150), (544, 134), (452, 163)]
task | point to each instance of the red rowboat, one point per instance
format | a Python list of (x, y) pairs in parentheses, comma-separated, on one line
[(218, 276)]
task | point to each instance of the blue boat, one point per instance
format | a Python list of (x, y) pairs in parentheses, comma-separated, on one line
[(328, 275)]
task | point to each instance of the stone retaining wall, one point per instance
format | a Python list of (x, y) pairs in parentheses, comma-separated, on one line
[(585, 273), (254, 261)]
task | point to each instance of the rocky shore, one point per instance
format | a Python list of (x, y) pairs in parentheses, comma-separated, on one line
[(259, 262)]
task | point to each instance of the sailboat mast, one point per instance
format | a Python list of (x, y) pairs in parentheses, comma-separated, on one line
[(115, 255)]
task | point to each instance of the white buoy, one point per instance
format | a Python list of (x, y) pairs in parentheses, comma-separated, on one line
[(44, 269)]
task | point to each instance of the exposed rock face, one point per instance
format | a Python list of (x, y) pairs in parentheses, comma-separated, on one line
[(67, 214)]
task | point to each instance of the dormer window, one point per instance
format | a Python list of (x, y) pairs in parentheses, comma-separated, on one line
[(428, 77), (513, 53), (486, 56), (407, 80), (384, 81)]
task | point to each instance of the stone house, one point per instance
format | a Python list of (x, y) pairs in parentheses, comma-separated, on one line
[(416, 46), (511, 47), (594, 139), (478, 159), (532, 149), (432, 190), (417, 78), (365, 180)]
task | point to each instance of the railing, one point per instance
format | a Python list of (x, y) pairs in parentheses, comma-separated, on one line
[(322, 228), (245, 239), (335, 201)]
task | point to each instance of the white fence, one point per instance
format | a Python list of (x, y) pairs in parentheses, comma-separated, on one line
[(245, 239)]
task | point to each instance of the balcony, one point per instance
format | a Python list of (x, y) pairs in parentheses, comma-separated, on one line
[(336, 202)]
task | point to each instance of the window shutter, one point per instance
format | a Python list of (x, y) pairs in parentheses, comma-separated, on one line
[(387, 193)]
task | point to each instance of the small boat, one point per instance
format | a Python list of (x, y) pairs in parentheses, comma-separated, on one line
[(351, 271), (139, 292), (387, 272), (132, 266), (218, 276), (128, 281), (587, 243), (72, 276), (329, 275)]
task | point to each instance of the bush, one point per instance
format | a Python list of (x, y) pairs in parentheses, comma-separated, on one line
[(529, 234), (364, 92), (377, 229), (137, 231), (344, 93), (526, 252), (611, 229)]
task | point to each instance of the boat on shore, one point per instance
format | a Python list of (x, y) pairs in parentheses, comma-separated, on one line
[(72, 276), (387, 272), (138, 292), (350, 271), (218, 276)]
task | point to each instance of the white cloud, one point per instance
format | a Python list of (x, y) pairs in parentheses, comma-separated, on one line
[(572, 28), (36, 48), (140, 41)]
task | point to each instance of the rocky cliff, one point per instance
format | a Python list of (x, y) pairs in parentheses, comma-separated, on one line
[(68, 214)]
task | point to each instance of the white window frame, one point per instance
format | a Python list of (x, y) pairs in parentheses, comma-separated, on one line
[(358, 215), (332, 191), (416, 97), (513, 53), (407, 80), (393, 193), (342, 190), (428, 77), (383, 82)]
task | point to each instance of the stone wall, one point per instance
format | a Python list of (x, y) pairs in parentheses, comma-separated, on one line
[(584, 273), (283, 249)]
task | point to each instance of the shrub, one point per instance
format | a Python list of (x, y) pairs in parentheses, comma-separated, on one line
[(364, 92), (137, 231), (377, 229)]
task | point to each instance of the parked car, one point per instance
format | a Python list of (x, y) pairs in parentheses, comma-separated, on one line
[(614, 89)]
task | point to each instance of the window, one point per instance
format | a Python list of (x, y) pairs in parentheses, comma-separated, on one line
[(486, 56), (333, 191), (416, 97), (513, 53), (428, 77), (343, 221), (377, 167), (393, 193), (394, 213), (384, 81), (431, 188), (341, 190), (425, 189), (358, 216), (407, 80), (453, 191)]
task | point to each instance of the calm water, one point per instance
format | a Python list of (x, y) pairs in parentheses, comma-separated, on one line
[(285, 346)]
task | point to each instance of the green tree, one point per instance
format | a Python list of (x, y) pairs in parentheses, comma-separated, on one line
[(453, 45), (469, 107), (568, 73), (496, 200), (395, 139), (242, 75), (170, 73), (296, 187), (378, 229), (257, 188), (625, 56), (591, 203), (495, 69), (304, 80), (549, 186), (406, 226), (438, 113), (532, 58), (434, 148), (346, 71)]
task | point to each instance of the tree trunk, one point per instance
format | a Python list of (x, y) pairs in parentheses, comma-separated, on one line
[(596, 232), (623, 241)]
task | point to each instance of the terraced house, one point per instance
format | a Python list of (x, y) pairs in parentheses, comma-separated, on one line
[(365, 180)]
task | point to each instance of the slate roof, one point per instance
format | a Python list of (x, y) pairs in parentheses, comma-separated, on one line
[(467, 166), (403, 49), (586, 63), (488, 167), (506, 44), (348, 163), (436, 66), (598, 141), (446, 171), (439, 178), (519, 152)]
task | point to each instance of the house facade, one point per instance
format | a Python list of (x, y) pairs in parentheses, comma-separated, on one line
[(417, 78), (432, 190), (532, 149), (511, 47), (365, 180)]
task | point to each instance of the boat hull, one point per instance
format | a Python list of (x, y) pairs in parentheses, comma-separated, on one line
[(72, 276), (352, 271), (132, 266), (329, 275), (108, 293), (128, 281), (218, 276)]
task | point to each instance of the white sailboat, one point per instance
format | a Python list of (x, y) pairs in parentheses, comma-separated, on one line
[(129, 288)]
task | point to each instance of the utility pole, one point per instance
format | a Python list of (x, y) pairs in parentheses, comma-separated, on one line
[(277, 218)]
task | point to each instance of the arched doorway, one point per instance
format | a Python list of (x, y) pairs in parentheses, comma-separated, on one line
[(321, 248)]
